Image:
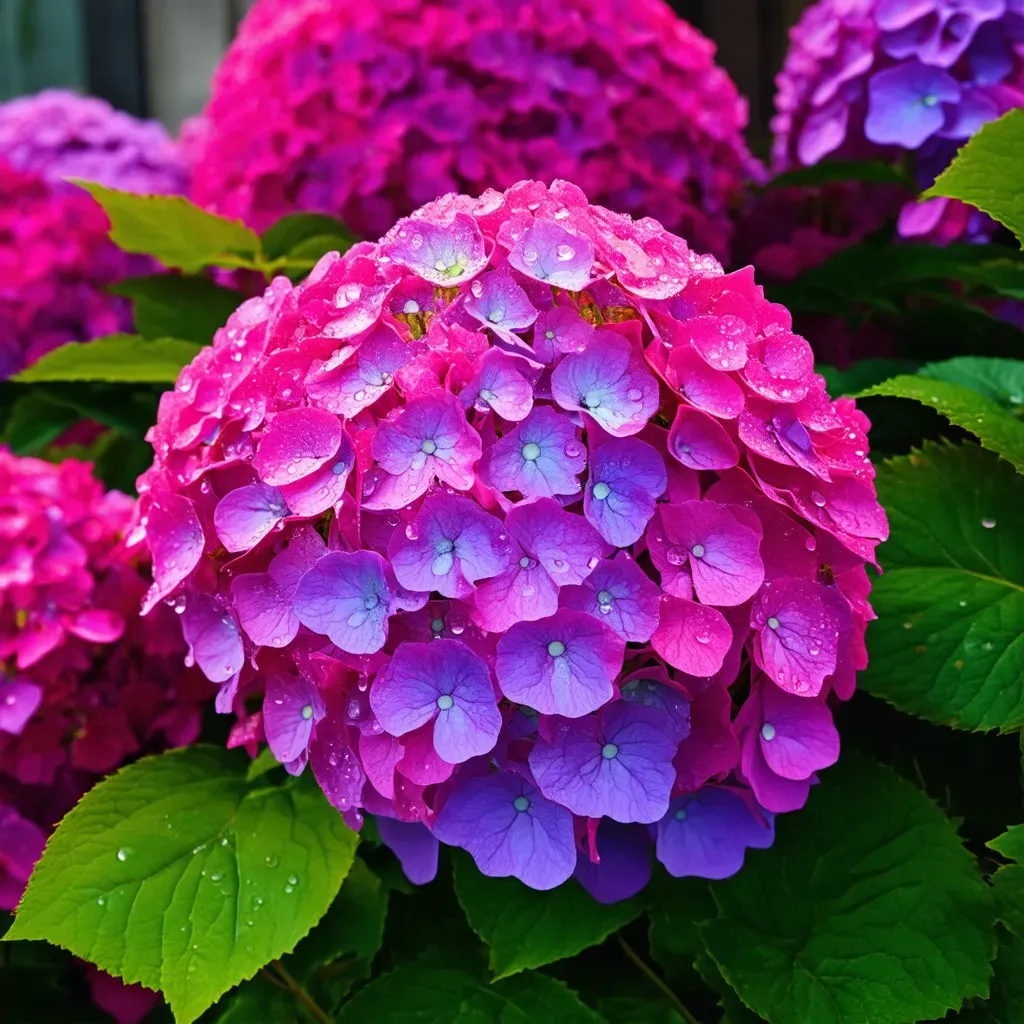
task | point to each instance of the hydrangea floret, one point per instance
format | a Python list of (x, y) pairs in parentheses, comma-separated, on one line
[(366, 111), (530, 531), (60, 134), (56, 260), (84, 683), (907, 81)]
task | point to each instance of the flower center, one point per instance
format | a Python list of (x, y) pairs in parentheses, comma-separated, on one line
[(556, 648), (521, 803), (531, 451), (768, 731), (609, 750), (429, 446), (445, 701), (601, 490), (524, 562), (307, 711), (437, 625), (680, 815), (697, 550), (773, 623), (370, 602)]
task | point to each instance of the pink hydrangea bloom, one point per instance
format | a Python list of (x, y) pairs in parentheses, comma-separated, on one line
[(55, 262), (59, 134), (366, 111), (905, 82), (84, 683), (560, 574)]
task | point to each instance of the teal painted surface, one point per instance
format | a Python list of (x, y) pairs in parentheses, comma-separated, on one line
[(41, 44)]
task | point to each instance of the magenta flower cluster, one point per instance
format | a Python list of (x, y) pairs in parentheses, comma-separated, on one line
[(84, 684), (60, 134), (368, 110), (905, 81), (56, 259), (536, 533)]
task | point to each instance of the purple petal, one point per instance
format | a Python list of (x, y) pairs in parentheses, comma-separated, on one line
[(559, 331), (244, 516), (336, 765), (608, 382), (365, 374), (324, 488), (797, 736), (413, 845), (626, 478), (509, 829), (263, 610), (711, 390), (212, 636), (347, 598), (672, 707), (693, 638), (565, 545), (449, 545), (823, 132), (524, 592), (707, 833), (291, 707), (905, 104), (176, 540), (700, 442), (796, 627), (621, 595), (561, 665), (624, 867), (499, 385), (296, 443), (443, 254), (497, 301), (547, 252), (617, 765), (540, 458), (305, 546), (19, 701), (444, 682)]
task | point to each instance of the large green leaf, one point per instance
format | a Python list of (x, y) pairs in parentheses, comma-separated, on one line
[(166, 306), (117, 357), (36, 421), (1008, 881), (439, 995), (948, 643), (866, 909), (174, 874), (993, 426), (1001, 380), (987, 172), (297, 229), (177, 232), (525, 928)]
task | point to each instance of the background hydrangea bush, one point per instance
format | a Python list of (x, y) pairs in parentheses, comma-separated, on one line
[(368, 111)]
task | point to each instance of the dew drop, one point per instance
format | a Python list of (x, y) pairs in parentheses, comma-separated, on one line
[(122, 854), (989, 524)]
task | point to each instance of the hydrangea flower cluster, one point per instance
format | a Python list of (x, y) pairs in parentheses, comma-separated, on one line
[(84, 684), (366, 111), (60, 134), (901, 80), (532, 532), (55, 261)]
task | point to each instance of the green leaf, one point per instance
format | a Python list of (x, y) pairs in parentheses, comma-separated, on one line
[(525, 928), (1008, 881), (117, 357), (177, 232), (174, 874), (166, 306), (948, 644), (1001, 380), (987, 172), (1006, 1003), (439, 995), (298, 229), (36, 421), (867, 908), (831, 171), (353, 925), (258, 1002), (676, 907), (262, 763), (863, 374), (997, 431)]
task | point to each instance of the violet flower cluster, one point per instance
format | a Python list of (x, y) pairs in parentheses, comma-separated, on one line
[(84, 683), (902, 80), (56, 260), (366, 111), (60, 134), (531, 532)]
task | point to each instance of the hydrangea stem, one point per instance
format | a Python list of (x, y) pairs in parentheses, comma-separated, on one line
[(658, 983), (278, 973)]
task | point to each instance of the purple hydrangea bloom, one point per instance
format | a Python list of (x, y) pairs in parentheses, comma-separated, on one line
[(328, 106), (897, 80), (565, 597)]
